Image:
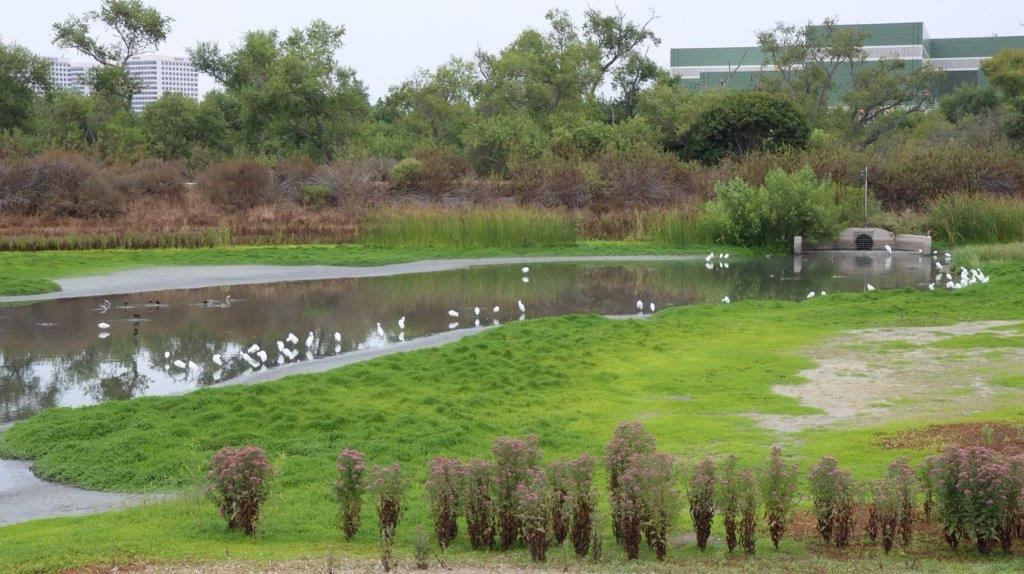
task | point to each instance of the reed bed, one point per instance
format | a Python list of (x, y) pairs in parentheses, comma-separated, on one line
[(960, 218), (507, 227)]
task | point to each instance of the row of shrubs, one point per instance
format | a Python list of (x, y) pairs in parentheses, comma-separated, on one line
[(975, 494)]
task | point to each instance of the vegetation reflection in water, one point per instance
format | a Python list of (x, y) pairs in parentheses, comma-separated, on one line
[(52, 354)]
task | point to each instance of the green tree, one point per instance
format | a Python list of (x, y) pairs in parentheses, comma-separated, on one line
[(495, 144), (741, 122), (23, 76), (177, 127), (433, 107), (968, 100), (807, 59), (885, 96), (293, 95), (138, 29), (1005, 71)]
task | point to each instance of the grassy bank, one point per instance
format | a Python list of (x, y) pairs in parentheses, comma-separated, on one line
[(693, 374), (26, 273)]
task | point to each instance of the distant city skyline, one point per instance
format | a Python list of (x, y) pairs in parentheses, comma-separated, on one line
[(388, 40), (158, 73)]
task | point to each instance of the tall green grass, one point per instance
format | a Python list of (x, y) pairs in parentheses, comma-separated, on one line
[(186, 238), (471, 228), (960, 218), (676, 227)]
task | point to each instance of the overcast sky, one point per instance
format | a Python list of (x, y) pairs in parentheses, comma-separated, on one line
[(388, 40)]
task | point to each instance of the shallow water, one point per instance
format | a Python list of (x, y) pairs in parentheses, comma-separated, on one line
[(53, 354)]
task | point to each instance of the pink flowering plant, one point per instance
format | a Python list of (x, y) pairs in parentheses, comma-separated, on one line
[(702, 500), (515, 459), (582, 502), (628, 439), (746, 484), (239, 482), (559, 481), (444, 487), (478, 503), (388, 483), (778, 487), (533, 512), (903, 479), (833, 495), (651, 499), (349, 488), (727, 499)]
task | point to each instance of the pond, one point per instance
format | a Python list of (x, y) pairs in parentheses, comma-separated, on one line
[(53, 353)]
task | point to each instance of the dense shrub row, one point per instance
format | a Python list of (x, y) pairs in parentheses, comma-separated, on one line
[(974, 494)]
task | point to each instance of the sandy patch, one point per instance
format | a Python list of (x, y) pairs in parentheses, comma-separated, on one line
[(860, 381)]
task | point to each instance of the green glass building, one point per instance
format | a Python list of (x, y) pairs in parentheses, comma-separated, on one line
[(741, 67)]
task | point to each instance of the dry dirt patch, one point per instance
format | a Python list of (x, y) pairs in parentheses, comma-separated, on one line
[(861, 378)]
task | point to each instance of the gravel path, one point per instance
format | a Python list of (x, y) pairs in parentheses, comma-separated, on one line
[(24, 497), (197, 276)]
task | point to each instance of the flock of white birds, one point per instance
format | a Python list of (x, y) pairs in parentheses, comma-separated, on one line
[(288, 348)]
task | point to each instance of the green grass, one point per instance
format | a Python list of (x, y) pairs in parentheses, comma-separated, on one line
[(27, 273), (472, 228), (693, 374)]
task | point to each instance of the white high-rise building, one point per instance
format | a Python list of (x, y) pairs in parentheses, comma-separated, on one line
[(157, 74), (68, 75), (160, 75)]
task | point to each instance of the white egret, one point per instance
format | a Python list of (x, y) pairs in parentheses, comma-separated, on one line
[(291, 338), (253, 348), (888, 249), (726, 256), (709, 257), (823, 293), (217, 360), (476, 323), (218, 374), (453, 325), (309, 340), (496, 310), (380, 330), (167, 354), (726, 300), (192, 366), (652, 307), (280, 346), (639, 304), (810, 295), (179, 363), (526, 269), (476, 311), (871, 287), (522, 308), (104, 334), (453, 313), (103, 325), (949, 284), (337, 335), (401, 322), (262, 355), (931, 286)]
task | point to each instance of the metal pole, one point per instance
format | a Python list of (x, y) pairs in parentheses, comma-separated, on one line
[(865, 173)]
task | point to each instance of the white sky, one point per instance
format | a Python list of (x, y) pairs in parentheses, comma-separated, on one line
[(388, 40)]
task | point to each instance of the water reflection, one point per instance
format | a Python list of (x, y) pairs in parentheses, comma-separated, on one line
[(52, 353)]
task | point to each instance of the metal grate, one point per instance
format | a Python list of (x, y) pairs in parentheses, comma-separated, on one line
[(864, 242)]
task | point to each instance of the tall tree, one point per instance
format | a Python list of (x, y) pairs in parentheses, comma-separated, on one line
[(294, 96), (807, 58), (138, 29), (885, 95), (23, 76)]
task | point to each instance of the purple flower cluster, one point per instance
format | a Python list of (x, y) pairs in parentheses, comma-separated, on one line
[(349, 488), (444, 485), (239, 483)]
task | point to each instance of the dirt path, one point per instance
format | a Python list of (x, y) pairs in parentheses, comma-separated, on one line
[(199, 276), (877, 375)]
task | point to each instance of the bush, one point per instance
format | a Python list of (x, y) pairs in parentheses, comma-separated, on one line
[(163, 179), (478, 498), (59, 183), (778, 485), (515, 459), (770, 215), (582, 503), (884, 513), (239, 482), (977, 496), (496, 144), (444, 486), (316, 195), (968, 100), (832, 491), (349, 488), (741, 122), (558, 486), (902, 478), (651, 502), (407, 174), (291, 175), (747, 485), (553, 182), (702, 500), (728, 498), (441, 168), (533, 512), (389, 485), (628, 439), (237, 184)]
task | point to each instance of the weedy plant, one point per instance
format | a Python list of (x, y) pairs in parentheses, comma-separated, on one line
[(444, 486), (702, 500), (349, 488), (239, 482), (778, 486), (515, 458)]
